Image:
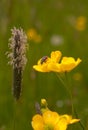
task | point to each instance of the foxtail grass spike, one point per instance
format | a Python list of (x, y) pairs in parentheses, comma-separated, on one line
[(18, 46)]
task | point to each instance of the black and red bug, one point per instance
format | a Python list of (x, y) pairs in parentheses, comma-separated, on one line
[(43, 59)]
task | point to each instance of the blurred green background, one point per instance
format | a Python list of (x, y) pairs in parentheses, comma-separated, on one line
[(60, 25)]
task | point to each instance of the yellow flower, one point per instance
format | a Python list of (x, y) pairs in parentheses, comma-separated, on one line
[(80, 24), (43, 64), (31, 33), (51, 121), (46, 64)]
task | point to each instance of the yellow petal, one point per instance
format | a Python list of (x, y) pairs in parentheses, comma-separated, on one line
[(62, 125), (64, 121), (50, 117), (54, 67), (37, 122), (41, 68), (69, 63), (74, 121), (56, 56)]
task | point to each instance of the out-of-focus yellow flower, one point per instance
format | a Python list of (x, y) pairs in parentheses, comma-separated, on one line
[(52, 121), (80, 23), (53, 63), (34, 36), (31, 33)]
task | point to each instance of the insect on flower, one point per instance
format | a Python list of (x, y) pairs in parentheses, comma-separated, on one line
[(43, 59)]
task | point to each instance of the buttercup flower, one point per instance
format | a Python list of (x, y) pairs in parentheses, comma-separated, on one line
[(52, 121), (43, 64), (54, 64)]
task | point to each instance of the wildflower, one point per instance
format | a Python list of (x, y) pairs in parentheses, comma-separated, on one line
[(18, 46), (56, 64), (80, 23), (44, 67), (31, 33), (50, 120)]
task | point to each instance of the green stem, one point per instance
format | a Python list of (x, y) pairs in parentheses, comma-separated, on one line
[(68, 87), (73, 108), (62, 79)]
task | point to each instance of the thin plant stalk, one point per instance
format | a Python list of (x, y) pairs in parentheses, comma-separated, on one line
[(63, 77)]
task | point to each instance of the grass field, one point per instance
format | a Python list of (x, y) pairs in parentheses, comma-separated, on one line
[(59, 25)]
